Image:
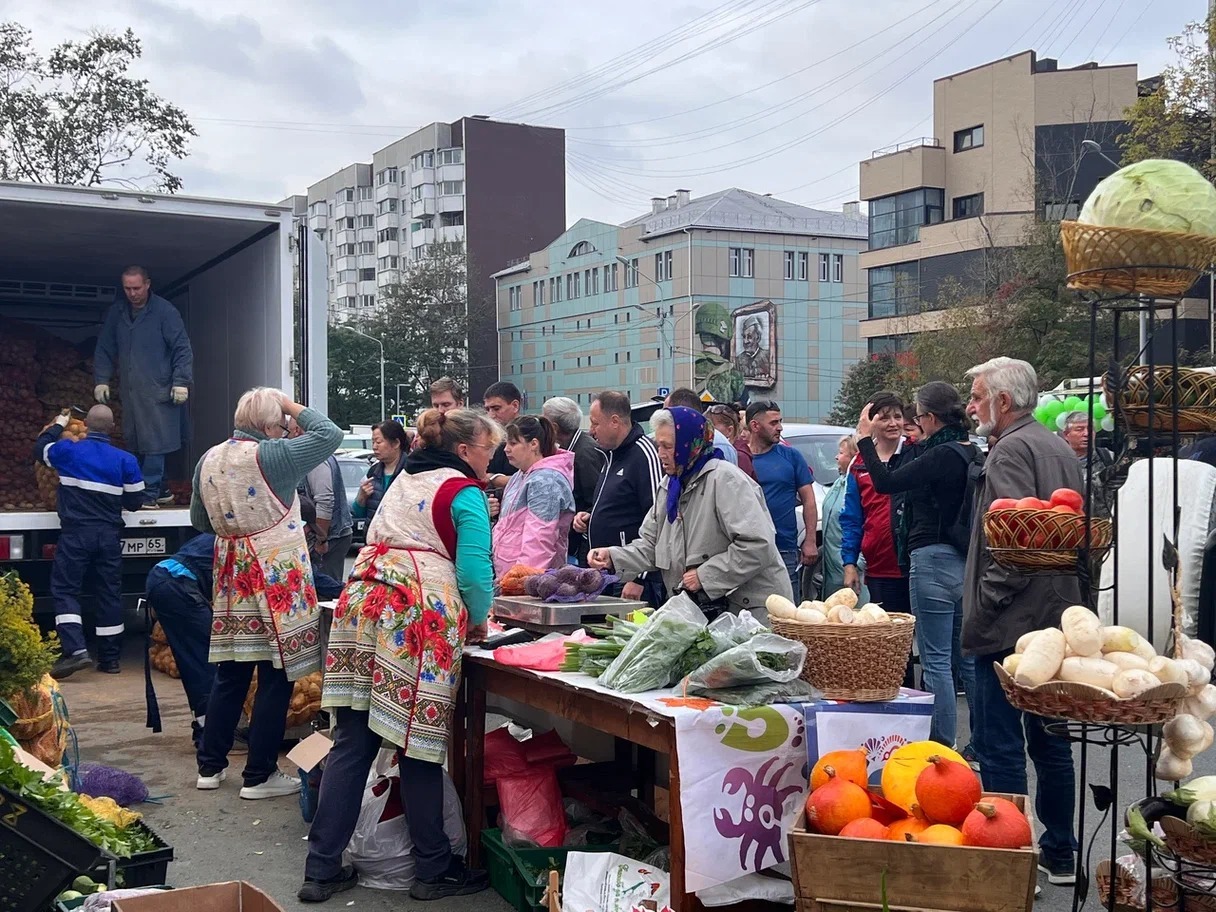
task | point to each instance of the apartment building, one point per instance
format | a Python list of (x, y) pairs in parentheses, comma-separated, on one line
[(499, 188), (1006, 150), (738, 295)]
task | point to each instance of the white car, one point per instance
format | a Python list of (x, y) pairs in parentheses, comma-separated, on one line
[(818, 444)]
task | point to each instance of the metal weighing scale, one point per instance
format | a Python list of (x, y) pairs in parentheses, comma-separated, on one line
[(540, 616)]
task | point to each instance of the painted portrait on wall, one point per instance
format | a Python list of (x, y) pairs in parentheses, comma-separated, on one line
[(755, 344)]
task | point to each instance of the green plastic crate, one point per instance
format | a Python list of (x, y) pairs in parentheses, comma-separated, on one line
[(521, 876)]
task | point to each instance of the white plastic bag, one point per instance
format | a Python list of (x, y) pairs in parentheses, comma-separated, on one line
[(606, 882), (381, 848)]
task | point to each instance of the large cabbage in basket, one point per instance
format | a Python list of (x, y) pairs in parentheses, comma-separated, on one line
[(1155, 194)]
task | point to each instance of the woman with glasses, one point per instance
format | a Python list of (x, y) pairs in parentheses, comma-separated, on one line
[(264, 611), (421, 588), (390, 443), (533, 527), (725, 419), (934, 486)]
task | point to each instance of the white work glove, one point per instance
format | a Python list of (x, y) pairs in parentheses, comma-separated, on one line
[(179, 395), (63, 418), (101, 392)]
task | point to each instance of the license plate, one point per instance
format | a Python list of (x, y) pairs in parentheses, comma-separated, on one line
[(142, 547)]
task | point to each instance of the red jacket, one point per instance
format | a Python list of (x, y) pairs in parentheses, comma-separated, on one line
[(869, 521)]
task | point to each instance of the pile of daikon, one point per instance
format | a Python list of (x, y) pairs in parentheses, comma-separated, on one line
[(1119, 663), (840, 608)]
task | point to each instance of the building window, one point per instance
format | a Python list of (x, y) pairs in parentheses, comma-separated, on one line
[(582, 248), (451, 219), (894, 290), (663, 266), (616, 357), (538, 294), (423, 160), (824, 267), (593, 281), (578, 290), (898, 219), (968, 206), (889, 345), (366, 247), (1055, 212), (513, 298), (416, 193), (741, 262), (610, 277), (628, 356), (346, 223), (788, 264), (555, 289), (387, 176), (365, 193), (837, 267), (450, 156), (388, 262), (367, 221), (387, 205), (631, 274), (346, 250), (971, 138), (367, 274), (804, 265), (347, 275), (386, 234), (367, 300), (451, 188)]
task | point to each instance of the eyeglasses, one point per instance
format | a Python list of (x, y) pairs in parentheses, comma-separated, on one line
[(720, 410), (286, 428)]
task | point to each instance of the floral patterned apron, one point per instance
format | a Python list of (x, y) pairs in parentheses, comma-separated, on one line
[(264, 605), (399, 627)]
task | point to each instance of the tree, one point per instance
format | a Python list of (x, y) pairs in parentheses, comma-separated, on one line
[(423, 323), (1176, 119), (76, 116), (865, 378)]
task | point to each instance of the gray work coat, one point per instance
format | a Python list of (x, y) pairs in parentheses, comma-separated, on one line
[(723, 529), (152, 353), (1000, 605)]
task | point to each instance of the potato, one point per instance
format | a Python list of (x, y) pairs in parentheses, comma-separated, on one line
[(1024, 641), (1042, 658), (1082, 630), (1129, 684), (1088, 670)]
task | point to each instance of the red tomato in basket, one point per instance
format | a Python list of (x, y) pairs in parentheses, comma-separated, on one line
[(1004, 503), (1031, 503), (1061, 508), (1067, 497)]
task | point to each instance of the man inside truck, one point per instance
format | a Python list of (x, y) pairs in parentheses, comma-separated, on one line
[(145, 338), (97, 481)]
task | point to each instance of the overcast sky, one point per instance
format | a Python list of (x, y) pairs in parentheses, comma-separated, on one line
[(775, 96)]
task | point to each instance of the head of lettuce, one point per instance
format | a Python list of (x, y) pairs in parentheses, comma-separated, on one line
[(1155, 195)]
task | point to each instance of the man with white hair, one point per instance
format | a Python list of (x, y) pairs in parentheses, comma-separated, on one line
[(1000, 605), (567, 418)]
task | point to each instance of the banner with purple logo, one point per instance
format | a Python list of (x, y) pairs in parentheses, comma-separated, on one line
[(881, 728)]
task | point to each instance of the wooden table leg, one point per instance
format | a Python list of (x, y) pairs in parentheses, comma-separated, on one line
[(645, 778), (681, 901), (474, 767)]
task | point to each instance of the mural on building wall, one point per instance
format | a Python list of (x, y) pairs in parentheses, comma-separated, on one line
[(755, 339), (715, 371), (750, 332)]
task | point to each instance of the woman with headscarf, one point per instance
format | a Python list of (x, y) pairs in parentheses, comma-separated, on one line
[(933, 485), (833, 502), (709, 531)]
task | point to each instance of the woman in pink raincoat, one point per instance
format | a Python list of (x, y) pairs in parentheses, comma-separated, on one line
[(538, 503)]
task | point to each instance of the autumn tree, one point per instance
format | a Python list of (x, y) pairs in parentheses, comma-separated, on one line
[(885, 371), (1175, 119), (77, 117)]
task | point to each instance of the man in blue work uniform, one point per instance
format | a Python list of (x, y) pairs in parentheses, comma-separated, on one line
[(145, 338), (97, 481)]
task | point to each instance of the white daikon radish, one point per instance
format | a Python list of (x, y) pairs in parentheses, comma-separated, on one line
[(1042, 658), (1202, 705), (1119, 639), (1011, 663), (1171, 768), (780, 607), (1082, 630), (1128, 684), (810, 616), (1197, 677), (841, 614), (819, 606), (872, 614), (1145, 650), (1168, 671), (1184, 736), (1088, 670), (1126, 660), (1024, 641), (846, 597), (1199, 651)]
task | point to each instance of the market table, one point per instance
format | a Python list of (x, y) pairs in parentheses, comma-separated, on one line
[(737, 776)]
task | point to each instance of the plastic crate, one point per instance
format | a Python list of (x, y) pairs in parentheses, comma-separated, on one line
[(39, 856), (8, 715), (521, 876), (143, 869)]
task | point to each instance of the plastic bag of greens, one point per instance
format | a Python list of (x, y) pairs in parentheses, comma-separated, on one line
[(795, 691), (651, 657), (730, 630), (766, 657)]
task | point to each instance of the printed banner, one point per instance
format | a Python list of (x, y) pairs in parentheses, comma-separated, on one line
[(881, 728)]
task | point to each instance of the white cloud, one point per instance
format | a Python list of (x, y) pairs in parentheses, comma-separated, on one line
[(284, 93)]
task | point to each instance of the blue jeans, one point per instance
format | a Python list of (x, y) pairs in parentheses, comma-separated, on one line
[(793, 566), (152, 467), (935, 588), (1003, 738), (78, 549)]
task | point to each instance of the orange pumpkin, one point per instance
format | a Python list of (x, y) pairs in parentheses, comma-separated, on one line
[(836, 804), (849, 765), (997, 823), (947, 791), (938, 834), (905, 766), (902, 830), (864, 828)]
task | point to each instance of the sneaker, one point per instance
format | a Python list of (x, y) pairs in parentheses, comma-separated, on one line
[(1061, 872), (315, 891), (457, 881), (110, 668), (166, 499), (66, 666), (277, 786), (208, 781), (972, 758), (150, 505)]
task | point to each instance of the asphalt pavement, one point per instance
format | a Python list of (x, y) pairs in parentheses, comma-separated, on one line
[(216, 836)]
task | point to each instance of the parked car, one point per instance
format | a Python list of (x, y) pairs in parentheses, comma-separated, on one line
[(354, 468)]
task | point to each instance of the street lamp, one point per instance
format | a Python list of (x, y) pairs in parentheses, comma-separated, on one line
[(383, 413), (692, 344), (662, 302)]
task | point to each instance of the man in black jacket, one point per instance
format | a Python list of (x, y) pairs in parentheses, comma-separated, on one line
[(626, 488), (567, 417)]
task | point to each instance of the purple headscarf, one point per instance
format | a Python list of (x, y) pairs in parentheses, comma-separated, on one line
[(694, 448)]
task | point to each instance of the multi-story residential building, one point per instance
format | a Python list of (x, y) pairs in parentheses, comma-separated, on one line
[(738, 295), (1006, 150), (498, 188)]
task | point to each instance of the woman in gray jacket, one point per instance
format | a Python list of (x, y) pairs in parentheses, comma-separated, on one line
[(709, 530)]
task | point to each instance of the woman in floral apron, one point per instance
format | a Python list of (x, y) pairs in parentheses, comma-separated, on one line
[(420, 589), (264, 610)]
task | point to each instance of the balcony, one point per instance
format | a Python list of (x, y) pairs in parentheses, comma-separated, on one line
[(384, 191), (450, 173), (452, 234), (346, 236), (388, 220), (453, 203), (422, 237), (422, 207), (920, 163), (422, 176), (344, 210)]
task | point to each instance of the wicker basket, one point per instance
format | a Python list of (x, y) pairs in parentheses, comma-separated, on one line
[(862, 663), (1194, 390), (1086, 703), (1183, 842), (1133, 260), (1165, 891), (1038, 540)]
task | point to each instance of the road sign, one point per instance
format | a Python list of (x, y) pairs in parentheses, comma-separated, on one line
[(401, 420), (707, 396), (664, 391)]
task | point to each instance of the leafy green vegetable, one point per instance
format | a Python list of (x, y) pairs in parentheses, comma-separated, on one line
[(66, 807), (1155, 194), (1203, 788), (703, 648), (649, 659), (1139, 833)]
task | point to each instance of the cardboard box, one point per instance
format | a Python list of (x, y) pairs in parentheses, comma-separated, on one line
[(832, 874), (235, 896)]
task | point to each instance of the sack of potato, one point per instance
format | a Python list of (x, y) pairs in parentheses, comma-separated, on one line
[(305, 699), (162, 659), (158, 634)]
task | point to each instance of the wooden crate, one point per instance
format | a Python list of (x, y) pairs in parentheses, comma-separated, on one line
[(832, 874)]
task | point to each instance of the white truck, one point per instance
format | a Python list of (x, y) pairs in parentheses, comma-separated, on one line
[(227, 266)]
